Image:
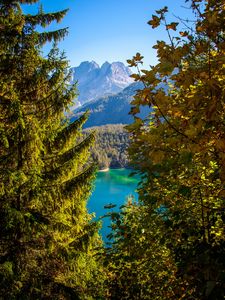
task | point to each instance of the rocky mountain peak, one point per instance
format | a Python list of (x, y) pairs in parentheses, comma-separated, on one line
[(105, 67), (88, 65), (95, 81)]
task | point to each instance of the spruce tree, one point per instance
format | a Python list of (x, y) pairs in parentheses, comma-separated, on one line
[(46, 235)]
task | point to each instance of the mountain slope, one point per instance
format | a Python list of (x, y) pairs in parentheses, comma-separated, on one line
[(94, 81), (112, 109), (110, 148)]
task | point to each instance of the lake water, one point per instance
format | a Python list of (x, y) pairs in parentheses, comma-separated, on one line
[(113, 186)]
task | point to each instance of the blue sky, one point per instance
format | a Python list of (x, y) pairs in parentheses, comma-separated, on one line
[(110, 30)]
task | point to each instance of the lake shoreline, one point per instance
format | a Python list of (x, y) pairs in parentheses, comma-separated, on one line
[(104, 170), (108, 169)]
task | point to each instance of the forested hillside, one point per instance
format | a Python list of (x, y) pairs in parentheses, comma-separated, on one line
[(110, 148), (113, 109)]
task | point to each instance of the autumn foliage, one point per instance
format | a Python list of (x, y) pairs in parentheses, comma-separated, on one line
[(176, 231)]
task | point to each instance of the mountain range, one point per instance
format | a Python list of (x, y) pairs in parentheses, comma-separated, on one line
[(95, 82), (113, 109)]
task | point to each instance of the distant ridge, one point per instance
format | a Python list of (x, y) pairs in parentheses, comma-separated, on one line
[(112, 109), (94, 81)]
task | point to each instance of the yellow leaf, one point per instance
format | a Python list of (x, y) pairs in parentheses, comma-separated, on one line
[(199, 28), (154, 22), (157, 157), (172, 26), (183, 33)]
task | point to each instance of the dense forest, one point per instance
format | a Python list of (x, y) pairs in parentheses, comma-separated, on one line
[(110, 147), (169, 245)]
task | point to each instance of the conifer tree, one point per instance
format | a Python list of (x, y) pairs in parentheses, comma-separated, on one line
[(46, 235)]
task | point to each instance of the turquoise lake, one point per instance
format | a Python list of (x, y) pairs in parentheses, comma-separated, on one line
[(113, 186)]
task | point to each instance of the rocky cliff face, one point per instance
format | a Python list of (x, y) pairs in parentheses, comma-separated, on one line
[(94, 81)]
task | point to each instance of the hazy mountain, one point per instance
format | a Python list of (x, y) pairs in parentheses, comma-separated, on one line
[(112, 109), (94, 81)]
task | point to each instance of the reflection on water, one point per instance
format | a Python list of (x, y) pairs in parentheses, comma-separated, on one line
[(114, 187)]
